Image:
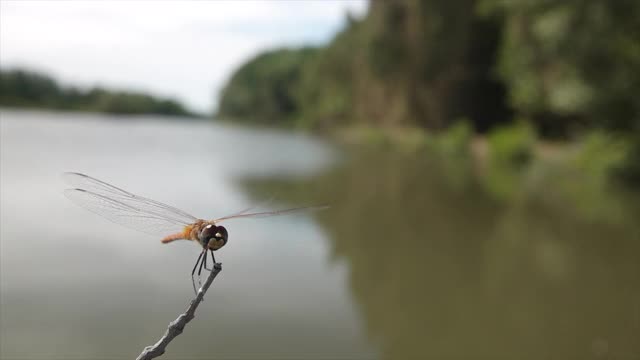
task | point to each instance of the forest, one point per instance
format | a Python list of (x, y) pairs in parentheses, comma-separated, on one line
[(32, 89), (525, 74)]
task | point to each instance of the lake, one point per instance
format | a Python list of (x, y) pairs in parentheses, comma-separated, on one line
[(415, 259)]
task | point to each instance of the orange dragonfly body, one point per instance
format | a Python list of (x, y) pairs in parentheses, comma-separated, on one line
[(193, 231), (153, 217)]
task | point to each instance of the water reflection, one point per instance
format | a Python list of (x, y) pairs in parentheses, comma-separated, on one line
[(443, 270), (75, 286), (423, 254)]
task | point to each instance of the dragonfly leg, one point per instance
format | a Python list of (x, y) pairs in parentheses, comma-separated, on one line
[(205, 261), (196, 265), (213, 258), (194, 271), (200, 270)]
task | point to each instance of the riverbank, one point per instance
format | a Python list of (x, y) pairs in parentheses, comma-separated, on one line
[(512, 160)]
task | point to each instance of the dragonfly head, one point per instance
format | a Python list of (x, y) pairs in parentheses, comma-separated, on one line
[(213, 237)]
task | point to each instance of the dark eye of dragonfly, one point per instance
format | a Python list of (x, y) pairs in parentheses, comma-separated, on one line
[(222, 234), (212, 232)]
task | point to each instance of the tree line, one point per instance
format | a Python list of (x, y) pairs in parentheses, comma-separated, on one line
[(25, 88), (567, 68)]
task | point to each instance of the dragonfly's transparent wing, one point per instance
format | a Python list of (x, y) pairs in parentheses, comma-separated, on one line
[(143, 204), (125, 208), (273, 213), (252, 207), (123, 214)]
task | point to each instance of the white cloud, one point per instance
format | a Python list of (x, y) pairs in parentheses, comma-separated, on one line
[(181, 49)]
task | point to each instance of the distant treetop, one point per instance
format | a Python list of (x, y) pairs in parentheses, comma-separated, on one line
[(26, 88)]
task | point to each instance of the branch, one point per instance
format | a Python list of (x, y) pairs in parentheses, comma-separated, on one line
[(177, 325)]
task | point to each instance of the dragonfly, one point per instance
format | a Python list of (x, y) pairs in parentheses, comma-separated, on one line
[(156, 218)]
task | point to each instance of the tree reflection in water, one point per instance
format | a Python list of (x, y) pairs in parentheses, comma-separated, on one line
[(441, 269)]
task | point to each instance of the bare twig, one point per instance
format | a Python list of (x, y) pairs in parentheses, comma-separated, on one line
[(177, 325)]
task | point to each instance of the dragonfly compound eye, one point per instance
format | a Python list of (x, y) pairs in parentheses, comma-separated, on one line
[(213, 233), (208, 232), (221, 234)]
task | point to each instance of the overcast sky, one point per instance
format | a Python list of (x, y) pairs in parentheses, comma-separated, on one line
[(185, 50)]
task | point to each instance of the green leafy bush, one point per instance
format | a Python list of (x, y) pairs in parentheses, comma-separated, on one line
[(456, 140), (512, 146), (601, 156), (511, 152)]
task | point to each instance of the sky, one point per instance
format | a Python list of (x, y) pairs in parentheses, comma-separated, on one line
[(182, 49)]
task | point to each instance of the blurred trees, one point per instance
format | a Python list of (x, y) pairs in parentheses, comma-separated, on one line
[(574, 66), (263, 90), (403, 64), (567, 68), (23, 88), (425, 64), (573, 62)]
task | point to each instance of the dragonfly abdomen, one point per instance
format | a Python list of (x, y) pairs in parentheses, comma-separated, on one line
[(173, 237), (190, 232), (186, 234)]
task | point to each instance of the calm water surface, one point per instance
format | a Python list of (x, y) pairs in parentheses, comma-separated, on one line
[(416, 259), (76, 286)]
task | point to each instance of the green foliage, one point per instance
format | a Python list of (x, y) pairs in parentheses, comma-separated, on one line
[(264, 89), (512, 145), (405, 64), (511, 151), (563, 65), (629, 171), (567, 67), (572, 62), (327, 86), (24, 88), (453, 150), (607, 158), (456, 140), (587, 176), (600, 154), (412, 65), (375, 137), (576, 65)]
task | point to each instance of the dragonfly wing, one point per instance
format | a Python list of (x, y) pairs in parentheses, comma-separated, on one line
[(125, 208), (252, 207), (123, 214), (273, 213), (85, 182)]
